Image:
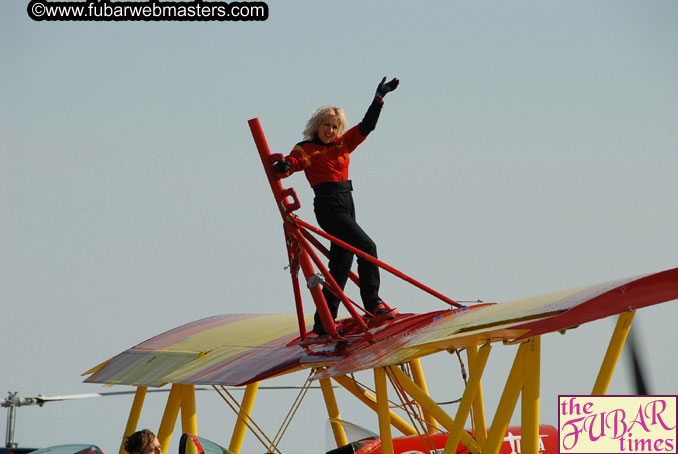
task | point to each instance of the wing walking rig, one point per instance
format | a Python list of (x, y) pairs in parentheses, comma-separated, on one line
[(246, 349)]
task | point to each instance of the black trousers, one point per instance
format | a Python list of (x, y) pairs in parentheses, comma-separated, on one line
[(335, 212)]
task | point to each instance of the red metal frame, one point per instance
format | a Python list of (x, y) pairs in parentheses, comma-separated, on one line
[(379, 263), (298, 257), (300, 244)]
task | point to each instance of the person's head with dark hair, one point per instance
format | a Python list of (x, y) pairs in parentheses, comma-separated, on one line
[(143, 442)]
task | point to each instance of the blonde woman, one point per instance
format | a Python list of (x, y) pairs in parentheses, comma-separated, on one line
[(324, 156)]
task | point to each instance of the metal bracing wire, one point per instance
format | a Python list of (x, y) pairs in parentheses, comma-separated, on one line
[(268, 443), (413, 410), (293, 410), (249, 422)]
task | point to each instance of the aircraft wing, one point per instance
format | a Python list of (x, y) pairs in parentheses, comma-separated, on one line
[(517, 320), (231, 349), (237, 349)]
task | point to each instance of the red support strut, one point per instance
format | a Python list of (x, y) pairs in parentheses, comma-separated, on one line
[(298, 258), (378, 262)]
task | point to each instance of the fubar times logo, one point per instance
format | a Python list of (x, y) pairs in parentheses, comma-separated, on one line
[(617, 424)]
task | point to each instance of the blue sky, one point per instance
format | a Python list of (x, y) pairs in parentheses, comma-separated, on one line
[(530, 147)]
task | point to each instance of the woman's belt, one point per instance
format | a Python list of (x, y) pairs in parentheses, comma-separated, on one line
[(332, 187)]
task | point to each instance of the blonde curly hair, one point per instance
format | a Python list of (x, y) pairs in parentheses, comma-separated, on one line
[(319, 115)]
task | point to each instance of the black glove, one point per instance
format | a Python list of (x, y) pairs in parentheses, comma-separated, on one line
[(281, 166), (384, 87)]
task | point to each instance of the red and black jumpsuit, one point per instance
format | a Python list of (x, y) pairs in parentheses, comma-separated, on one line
[(326, 168)]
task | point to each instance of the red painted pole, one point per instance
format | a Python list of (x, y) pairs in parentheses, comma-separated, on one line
[(332, 283), (378, 262), (265, 155), (316, 292), (297, 302), (318, 245), (286, 208)]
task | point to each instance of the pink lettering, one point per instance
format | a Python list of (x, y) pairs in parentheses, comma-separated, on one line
[(656, 415), (617, 424), (571, 431), (640, 419)]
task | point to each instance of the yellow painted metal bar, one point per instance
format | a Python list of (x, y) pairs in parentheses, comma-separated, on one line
[(243, 417), (507, 403), (613, 352), (369, 400), (472, 387), (479, 424), (425, 401), (134, 414), (188, 424), (333, 412), (169, 417), (530, 397), (189, 416), (420, 380), (383, 411)]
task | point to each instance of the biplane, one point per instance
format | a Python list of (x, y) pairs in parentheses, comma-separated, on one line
[(245, 350)]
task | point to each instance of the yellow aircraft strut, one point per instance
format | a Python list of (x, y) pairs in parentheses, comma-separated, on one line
[(333, 412), (134, 414), (471, 393), (613, 352)]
